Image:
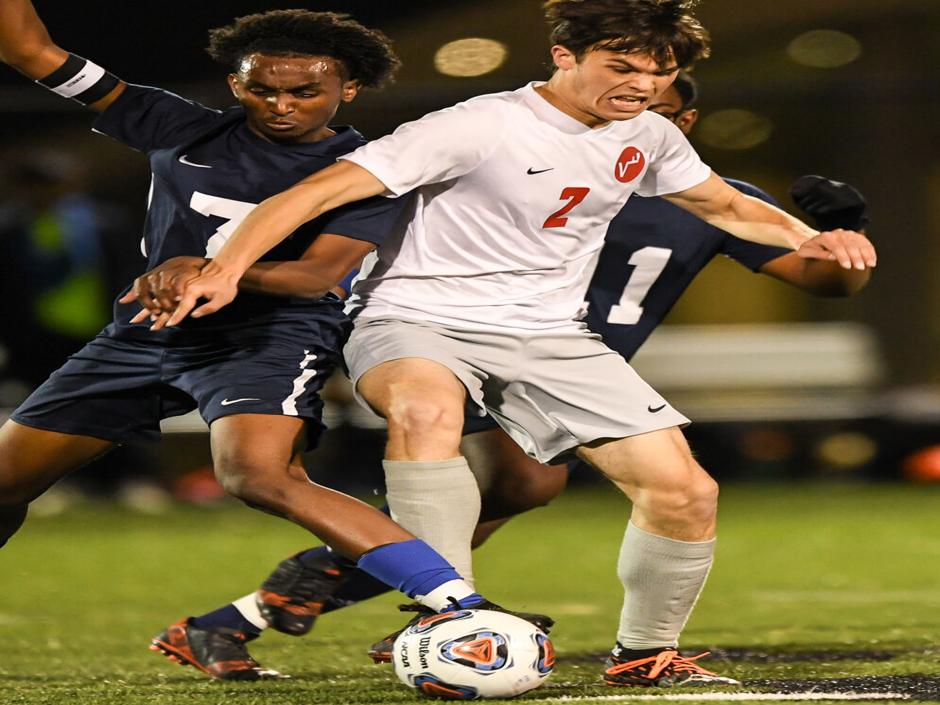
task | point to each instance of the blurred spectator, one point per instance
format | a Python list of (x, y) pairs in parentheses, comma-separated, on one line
[(55, 241)]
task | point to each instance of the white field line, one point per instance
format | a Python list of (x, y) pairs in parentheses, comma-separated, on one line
[(719, 697)]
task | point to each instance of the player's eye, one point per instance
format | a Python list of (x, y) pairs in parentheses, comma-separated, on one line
[(306, 94)]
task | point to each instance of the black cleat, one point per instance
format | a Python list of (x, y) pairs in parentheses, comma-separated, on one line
[(665, 669), (292, 597), (220, 653), (381, 651)]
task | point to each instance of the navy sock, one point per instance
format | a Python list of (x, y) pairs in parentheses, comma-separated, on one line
[(410, 566), (323, 556), (227, 617), (358, 586)]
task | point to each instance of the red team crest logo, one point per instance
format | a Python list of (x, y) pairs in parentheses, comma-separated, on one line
[(630, 165)]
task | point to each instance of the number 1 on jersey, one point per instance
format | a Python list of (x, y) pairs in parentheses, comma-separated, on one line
[(574, 195), (648, 263)]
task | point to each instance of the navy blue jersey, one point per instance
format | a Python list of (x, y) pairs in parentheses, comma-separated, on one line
[(653, 251), (209, 171)]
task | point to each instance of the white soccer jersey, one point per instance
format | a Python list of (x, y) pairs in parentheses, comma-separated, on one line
[(513, 201)]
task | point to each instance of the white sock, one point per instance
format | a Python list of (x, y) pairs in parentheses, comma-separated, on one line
[(439, 502), (248, 606), (662, 579), (439, 597)]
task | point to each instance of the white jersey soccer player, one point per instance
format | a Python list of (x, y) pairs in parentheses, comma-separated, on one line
[(507, 183), (481, 295)]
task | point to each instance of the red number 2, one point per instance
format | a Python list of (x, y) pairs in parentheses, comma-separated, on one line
[(574, 194)]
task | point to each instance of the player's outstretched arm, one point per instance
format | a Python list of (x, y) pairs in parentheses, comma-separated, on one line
[(833, 206), (816, 276), (25, 45), (328, 260), (752, 219), (267, 225)]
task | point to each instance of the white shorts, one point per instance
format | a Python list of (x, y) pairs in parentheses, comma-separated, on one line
[(550, 391)]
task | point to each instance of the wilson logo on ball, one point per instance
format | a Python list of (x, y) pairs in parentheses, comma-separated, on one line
[(630, 165)]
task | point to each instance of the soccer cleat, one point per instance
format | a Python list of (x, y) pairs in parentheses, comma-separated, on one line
[(381, 651), (220, 653), (292, 597), (665, 670)]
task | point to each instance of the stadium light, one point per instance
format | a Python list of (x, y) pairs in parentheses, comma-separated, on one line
[(469, 57)]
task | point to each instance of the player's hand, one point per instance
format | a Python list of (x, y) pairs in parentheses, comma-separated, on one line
[(159, 290), (832, 205), (218, 287), (850, 249)]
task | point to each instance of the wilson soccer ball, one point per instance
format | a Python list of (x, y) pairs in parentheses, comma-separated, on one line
[(469, 654)]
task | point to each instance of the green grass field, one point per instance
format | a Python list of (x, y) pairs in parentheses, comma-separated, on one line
[(811, 583)]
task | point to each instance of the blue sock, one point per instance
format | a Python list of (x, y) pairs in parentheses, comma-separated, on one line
[(412, 567), (227, 617), (316, 557)]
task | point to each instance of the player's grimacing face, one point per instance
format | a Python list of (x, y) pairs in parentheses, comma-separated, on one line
[(291, 98), (610, 85)]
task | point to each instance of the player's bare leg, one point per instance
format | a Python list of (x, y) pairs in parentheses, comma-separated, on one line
[(431, 491), (665, 556), (672, 494), (31, 460), (257, 459), (511, 482)]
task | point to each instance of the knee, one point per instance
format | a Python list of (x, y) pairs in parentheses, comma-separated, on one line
[(691, 501), (14, 491), (424, 417), (255, 484), (517, 493)]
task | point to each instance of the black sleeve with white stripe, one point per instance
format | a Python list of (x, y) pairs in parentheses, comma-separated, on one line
[(81, 80)]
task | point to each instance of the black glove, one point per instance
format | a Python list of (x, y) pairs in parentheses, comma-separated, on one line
[(831, 204)]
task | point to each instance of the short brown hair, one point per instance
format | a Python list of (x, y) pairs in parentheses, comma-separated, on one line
[(661, 28)]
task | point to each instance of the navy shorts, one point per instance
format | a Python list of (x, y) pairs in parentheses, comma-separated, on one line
[(474, 423), (119, 389)]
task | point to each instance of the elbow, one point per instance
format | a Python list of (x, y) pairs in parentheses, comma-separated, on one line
[(848, 284)]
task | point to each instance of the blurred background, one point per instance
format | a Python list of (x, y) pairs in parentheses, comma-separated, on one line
[(782, 386)]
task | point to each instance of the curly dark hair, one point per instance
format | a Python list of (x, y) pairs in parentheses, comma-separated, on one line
[(365, 54), (660, 28)]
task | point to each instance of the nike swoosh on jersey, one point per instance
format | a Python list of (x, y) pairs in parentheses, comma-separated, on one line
[(226, 402), (184, 160), (658, 408), (530, 171)]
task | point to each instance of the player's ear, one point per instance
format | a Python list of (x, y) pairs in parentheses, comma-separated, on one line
[(686, 120), (350, 91), (233, 84), (563, 59)]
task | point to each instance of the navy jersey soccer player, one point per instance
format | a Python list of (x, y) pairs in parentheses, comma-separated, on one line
[(209, 171), (652, 252), (255, 372)]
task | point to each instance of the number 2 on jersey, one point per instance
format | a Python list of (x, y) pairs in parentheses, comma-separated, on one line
[(574, 195), (648, 263)]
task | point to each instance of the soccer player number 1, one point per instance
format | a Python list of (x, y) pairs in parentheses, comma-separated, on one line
[(648, 263)]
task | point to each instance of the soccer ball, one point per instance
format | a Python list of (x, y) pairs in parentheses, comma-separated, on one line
[(469, 654)]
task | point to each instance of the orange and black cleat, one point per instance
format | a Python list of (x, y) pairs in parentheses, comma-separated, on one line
[(664, 669), (219, 653), (381, 651), (292, 597)]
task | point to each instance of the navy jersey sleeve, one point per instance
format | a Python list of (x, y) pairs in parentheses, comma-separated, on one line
[(752, 255), (372, 219), (148, 119)]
